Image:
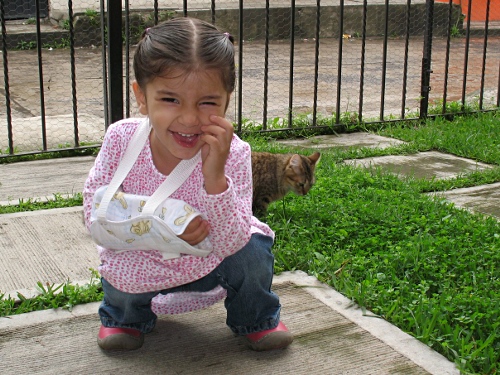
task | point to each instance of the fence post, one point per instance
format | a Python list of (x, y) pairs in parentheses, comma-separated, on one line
[(115, 60), (425, 87)]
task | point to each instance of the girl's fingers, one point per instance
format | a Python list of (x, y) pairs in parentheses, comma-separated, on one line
[(196, 231)]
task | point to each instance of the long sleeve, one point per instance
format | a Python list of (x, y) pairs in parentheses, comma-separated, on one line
[(229, 214)]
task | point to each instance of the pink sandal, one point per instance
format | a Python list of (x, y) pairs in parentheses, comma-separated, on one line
[(275, 338), (119, 338)]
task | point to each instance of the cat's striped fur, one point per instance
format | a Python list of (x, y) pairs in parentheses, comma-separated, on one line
[(274, 175)]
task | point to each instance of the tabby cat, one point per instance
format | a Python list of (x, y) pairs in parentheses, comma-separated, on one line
[(274, 175)]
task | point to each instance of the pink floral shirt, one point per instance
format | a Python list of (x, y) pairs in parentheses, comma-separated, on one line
[(229, 214)]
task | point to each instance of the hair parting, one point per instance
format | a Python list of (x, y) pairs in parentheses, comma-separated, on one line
[(187, 43)]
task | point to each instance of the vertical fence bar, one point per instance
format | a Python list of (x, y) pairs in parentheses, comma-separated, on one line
[(405, 67), (292, 52), (316, 62), (266, 68), (40, 74), (73, 73), (426, 60), (384, 60), (485, 47), (466, 57), (447, 57), (362, 67), (498, 87), (212, 11), (240, 64), (107, 114), (6, 80), (185, 8), (115, 58), (339, 61), (127, 58), (155, 11)]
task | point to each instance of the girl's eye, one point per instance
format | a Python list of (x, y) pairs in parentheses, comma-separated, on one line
[(209, 103), (170, 100)]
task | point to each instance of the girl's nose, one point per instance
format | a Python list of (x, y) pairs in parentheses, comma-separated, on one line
[(189, 118)]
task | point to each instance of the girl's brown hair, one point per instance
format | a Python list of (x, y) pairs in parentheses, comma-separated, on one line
[(186, 43)]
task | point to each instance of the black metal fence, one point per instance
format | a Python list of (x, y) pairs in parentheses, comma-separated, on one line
[(308, 63)]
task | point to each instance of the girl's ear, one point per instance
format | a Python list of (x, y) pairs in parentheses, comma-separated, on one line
[(140, 97)]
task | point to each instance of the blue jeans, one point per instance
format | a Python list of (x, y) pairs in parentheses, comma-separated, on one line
[(247, 277)]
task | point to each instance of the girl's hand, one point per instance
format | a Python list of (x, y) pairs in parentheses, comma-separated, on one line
[(196, 231), (217, 137)]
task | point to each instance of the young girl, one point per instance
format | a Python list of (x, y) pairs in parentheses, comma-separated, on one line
[(184, 76)]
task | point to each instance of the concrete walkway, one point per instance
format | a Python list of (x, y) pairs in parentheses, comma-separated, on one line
[(331, 337), (332, 334)]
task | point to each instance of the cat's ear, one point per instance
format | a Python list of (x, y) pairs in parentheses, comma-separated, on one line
[(295, 163), (295, 160), (314, 158)]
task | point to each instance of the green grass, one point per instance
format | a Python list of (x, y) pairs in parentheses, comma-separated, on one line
[(57, 201), (419, 262), (50, 296), (475, 137), (422, 264)]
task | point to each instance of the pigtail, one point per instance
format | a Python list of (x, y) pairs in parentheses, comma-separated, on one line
[(230, 37)]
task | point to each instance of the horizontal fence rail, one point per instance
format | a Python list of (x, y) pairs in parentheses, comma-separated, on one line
[(300, 63)]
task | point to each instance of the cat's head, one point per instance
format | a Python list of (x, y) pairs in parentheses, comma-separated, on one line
[(299, 173)]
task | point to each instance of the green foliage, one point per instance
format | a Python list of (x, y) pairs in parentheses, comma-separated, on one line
[(26, 45), (415, 260), (84, 150), (58, 43), (64, 24), (58, 201), (473, 136), (419, 262), (93, 16), (51, 296)]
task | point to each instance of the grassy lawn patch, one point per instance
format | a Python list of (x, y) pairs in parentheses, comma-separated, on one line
[(419, 262), (427, 267)]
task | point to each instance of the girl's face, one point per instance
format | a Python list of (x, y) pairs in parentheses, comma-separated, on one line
[(177, 106)]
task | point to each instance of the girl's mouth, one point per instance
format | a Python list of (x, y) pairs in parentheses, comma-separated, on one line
[(186, 140)]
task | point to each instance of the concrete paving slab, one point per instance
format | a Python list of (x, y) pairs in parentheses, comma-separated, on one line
[(50, 246), (41, 179), (426, 165), (343, 141), (331, 337), (484, 199)]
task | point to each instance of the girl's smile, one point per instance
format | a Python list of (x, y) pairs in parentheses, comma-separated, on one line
[(186, 140)]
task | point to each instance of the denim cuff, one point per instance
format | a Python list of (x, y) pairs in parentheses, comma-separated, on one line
[(263, 326), (144, 327)]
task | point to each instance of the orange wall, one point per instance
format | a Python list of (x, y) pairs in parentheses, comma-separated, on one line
[(478, 11)]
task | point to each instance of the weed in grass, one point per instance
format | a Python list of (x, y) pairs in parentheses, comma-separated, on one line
[(51, 296), (58, 201), (26, 45)]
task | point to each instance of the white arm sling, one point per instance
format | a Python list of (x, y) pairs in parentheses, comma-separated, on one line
[(123, 222)]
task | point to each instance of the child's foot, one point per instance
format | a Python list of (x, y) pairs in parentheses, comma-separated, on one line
[(119, 338), (275, 338)]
